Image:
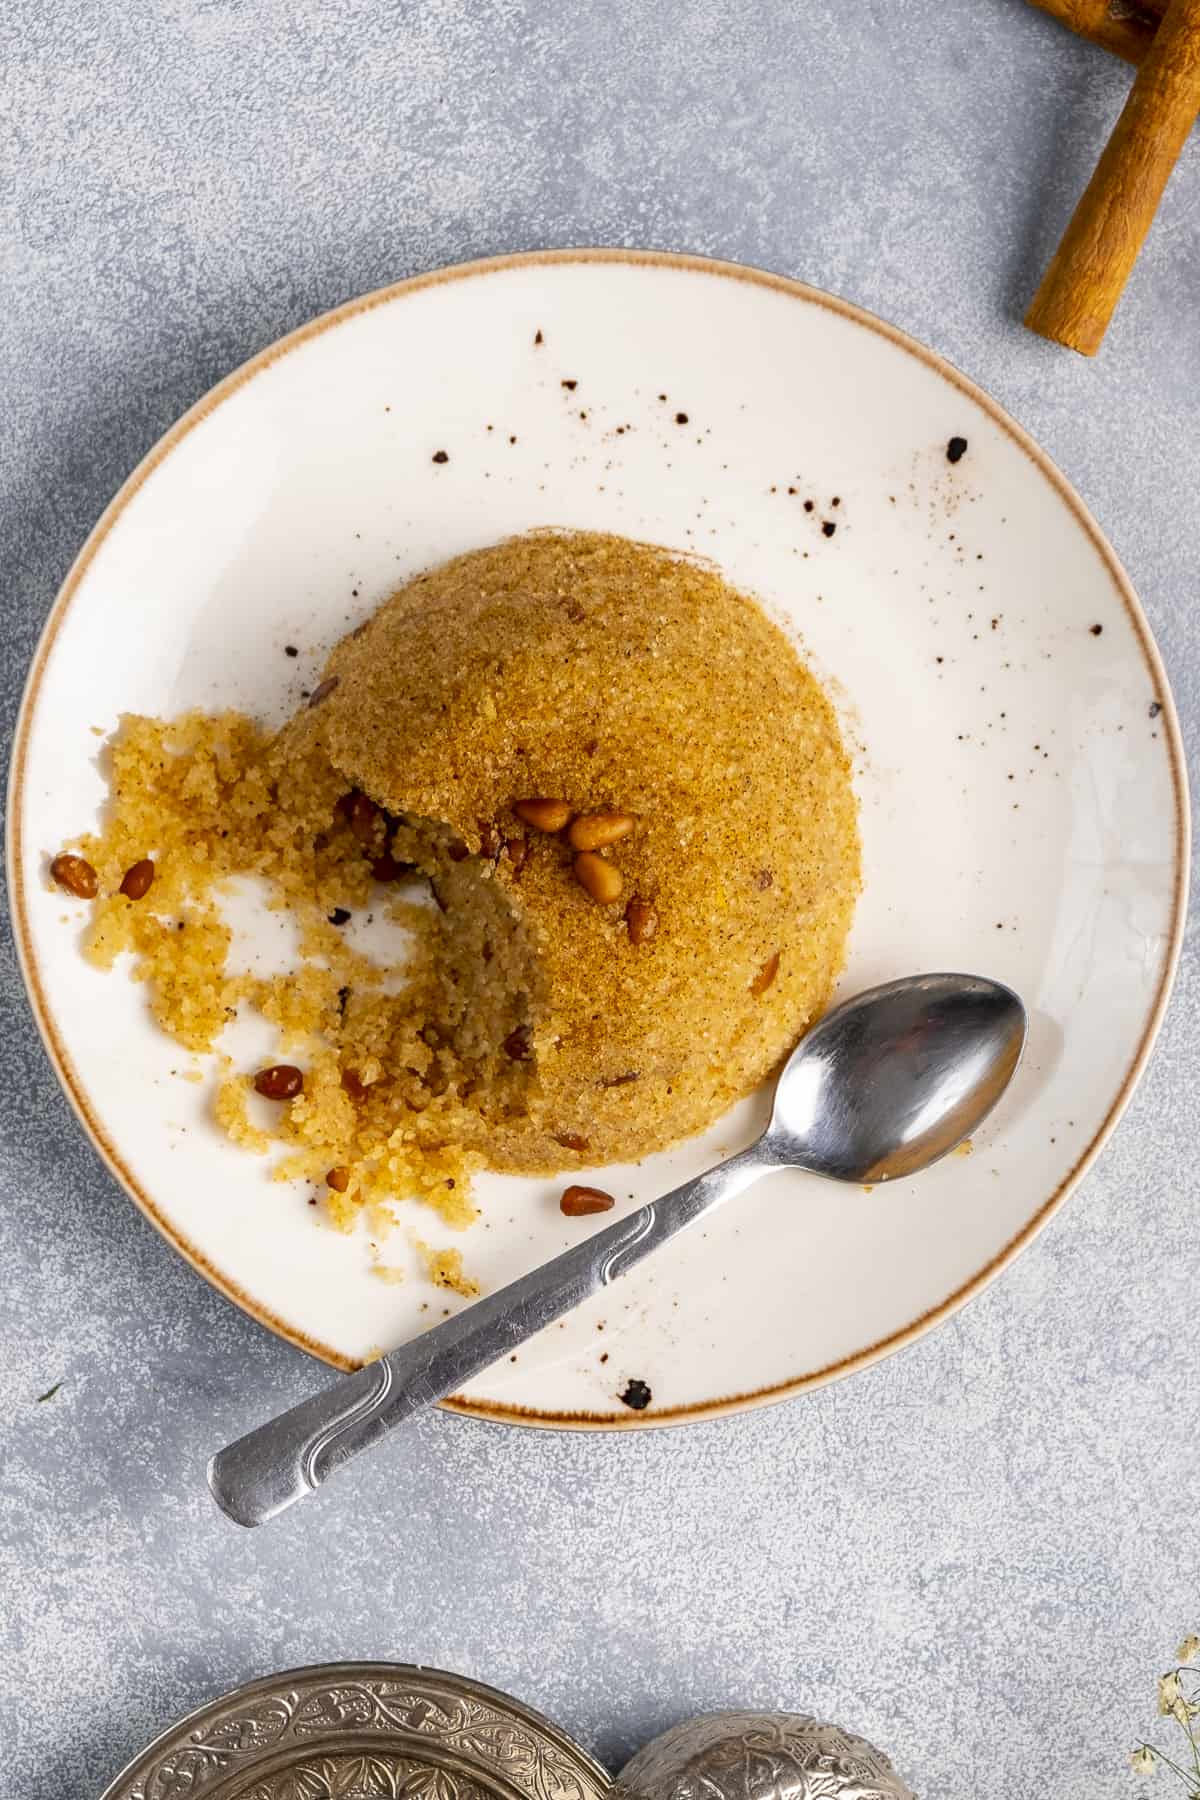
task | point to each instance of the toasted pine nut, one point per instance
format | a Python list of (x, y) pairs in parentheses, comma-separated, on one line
[(282, 1081), (75, 874), (386, 868), (600, 879), (543, 815), (578, 1202), (766, 975), (641, 916), (593, 831), (135, 883), (362, 814)]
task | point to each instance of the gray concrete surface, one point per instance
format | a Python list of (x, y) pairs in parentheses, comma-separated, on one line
[(999, 1550)]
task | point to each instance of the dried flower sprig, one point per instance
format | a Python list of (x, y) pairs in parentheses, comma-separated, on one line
[(1178, 1699)]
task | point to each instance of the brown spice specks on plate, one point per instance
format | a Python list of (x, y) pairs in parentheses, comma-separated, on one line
[(956, 449), (637, 1395), (440, 456)]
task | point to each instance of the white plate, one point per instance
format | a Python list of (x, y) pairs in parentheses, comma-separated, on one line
[(1018, 763)]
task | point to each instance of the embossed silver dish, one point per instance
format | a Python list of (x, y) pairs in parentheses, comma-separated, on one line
[(379, 1731), (759, 1756), (363, 1731)]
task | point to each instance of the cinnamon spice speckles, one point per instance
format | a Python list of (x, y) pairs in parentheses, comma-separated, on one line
[(956, 449), (440, 456), (1095, 630), (828, 527)]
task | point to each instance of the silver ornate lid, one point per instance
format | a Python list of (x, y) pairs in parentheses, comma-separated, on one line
[(759, 1756), (363, 1731)]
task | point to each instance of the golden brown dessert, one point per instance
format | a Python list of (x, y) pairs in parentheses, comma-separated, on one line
[(630, 802)]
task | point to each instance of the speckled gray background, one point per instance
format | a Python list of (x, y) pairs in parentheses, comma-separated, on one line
[(999, 1547)]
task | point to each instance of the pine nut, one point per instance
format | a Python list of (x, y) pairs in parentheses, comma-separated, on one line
[(598, 878), (543, 815), (593, 831)]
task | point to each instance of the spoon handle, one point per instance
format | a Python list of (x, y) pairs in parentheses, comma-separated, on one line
[(281, 1461)]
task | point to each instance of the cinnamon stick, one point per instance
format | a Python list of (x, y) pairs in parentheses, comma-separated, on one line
[(1124, 26), (1080, 289)]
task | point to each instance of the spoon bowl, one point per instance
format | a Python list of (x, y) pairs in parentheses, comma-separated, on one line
[(897, 1077)]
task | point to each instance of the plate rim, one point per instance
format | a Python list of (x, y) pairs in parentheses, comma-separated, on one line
[(56, 1050), (177, 1734)]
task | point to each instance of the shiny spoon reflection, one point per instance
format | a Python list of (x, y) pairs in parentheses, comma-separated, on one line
[(881, 1087)]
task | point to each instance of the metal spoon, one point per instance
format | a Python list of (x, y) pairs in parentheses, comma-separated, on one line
[(881, 1087)]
